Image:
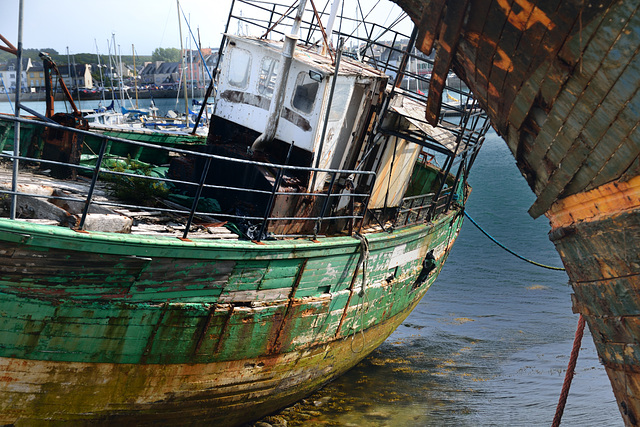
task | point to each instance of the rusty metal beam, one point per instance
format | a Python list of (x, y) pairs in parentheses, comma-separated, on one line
[(9, 48)]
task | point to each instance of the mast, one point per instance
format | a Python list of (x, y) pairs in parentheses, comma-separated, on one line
[(113, 90), (121, 72), (16, 135), (201, 61), (182, 66), (135, 72), (191, 68), (100, 69), (332, 19)]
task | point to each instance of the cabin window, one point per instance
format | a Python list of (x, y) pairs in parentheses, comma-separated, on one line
[(304, 96), (239, 68), (341, 98), (267, 76)]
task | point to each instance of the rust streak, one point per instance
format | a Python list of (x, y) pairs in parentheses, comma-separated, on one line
[(147, 349), (203, 333), (527, 17), (224, 329), (275, 345)]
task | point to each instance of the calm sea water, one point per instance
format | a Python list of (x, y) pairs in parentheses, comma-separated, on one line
[(490, 342)]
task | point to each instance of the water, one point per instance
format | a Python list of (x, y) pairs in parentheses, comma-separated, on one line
[(488, 345), (490, 342)]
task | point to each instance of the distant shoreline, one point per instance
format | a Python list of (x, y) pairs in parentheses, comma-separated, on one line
[(143, 94)]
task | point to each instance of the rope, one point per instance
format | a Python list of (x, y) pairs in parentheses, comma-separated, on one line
[(509, 250), (570, 372)]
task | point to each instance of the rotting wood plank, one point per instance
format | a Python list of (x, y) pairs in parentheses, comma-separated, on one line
[(615, 236), (539, 44), (503, 62), (599, 92), (448, 41), (626, 155), (602, 298), (429, 26), (567, 59), (594, 54), (620, 145), (523, 102), (487, 49), (477, 20)]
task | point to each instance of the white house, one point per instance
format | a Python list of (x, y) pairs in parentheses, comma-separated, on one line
[(9, 74)]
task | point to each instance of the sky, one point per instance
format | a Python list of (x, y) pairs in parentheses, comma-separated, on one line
[(80, 25)]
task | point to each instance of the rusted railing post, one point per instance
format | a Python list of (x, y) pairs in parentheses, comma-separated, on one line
[(316, 228), (92, 187)]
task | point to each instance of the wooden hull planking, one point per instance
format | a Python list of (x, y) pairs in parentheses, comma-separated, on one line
[(560, 81), (107, 328)]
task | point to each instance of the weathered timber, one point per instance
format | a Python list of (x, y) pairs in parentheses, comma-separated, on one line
[(122, 323), (568, 111)]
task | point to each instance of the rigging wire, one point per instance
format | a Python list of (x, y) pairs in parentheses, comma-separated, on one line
[(509, 250)]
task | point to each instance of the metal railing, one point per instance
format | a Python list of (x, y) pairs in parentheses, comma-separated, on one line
[(279, 171), (393, 52)]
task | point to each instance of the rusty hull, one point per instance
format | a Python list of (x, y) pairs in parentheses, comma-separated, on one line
[(560, 81), (220, 393), (104, 328)]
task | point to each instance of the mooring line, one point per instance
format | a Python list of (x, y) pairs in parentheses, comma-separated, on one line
[(509, 250), (573, 359)]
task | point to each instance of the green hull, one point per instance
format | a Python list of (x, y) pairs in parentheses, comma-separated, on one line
[(102, 327)]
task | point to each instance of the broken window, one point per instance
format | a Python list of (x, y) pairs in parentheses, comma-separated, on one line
[(304, 96), (239, 67), (268, 76)]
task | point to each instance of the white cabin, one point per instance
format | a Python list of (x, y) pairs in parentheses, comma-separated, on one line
[(246, 85)]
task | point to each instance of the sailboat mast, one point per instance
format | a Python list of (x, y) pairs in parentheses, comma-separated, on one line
[(186, 102), (16, 135), (135, 73), (100, 69)]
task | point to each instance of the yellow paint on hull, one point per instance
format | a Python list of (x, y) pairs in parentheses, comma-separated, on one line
[(596, 204), (227, 393)]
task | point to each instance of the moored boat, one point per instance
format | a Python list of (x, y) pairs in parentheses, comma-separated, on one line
[(559, 80), (115, 312)]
